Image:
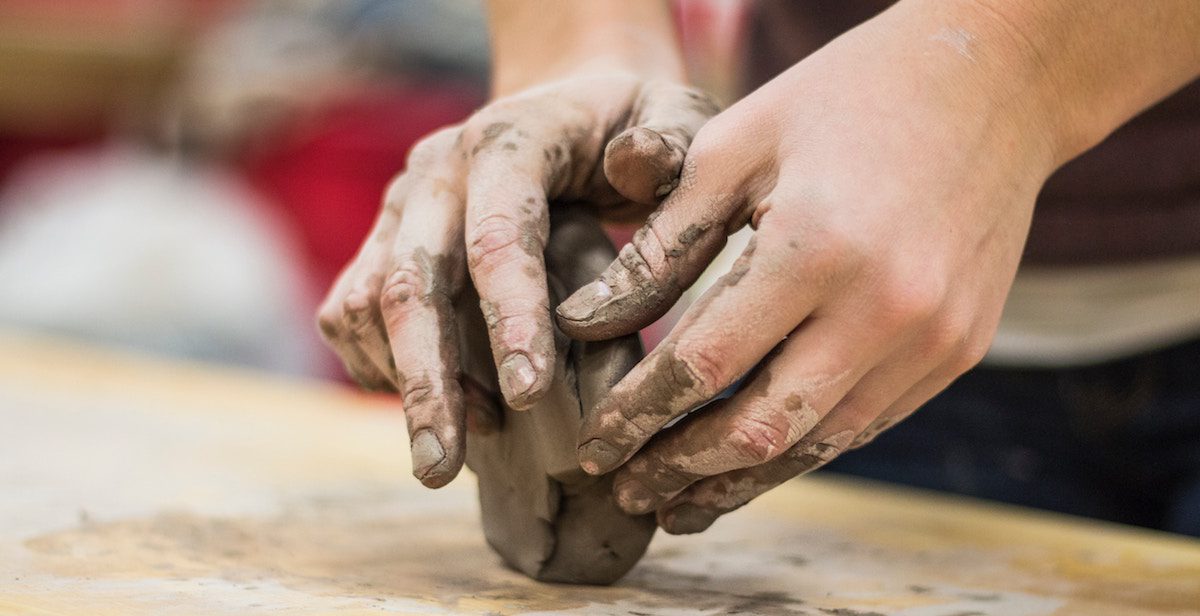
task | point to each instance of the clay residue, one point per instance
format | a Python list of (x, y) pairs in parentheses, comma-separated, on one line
[(490, 134), (663, 387), (647, 278)]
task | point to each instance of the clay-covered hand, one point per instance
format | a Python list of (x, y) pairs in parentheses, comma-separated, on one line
[(890, 184), (473, 199)]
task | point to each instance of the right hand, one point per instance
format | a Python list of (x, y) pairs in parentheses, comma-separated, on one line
[(474, 199)]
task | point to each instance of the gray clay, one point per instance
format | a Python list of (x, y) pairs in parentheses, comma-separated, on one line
[(541, 512)]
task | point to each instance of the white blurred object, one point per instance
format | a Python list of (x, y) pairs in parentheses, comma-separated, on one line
[(124, 246)]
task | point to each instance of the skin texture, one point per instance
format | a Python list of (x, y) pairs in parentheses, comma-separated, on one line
[(890, 180), (473, 202), (541, 513)]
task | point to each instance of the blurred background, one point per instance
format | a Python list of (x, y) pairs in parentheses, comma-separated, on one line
[(187, 177)]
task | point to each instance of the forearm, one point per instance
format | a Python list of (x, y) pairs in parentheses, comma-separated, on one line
[(1088, 65), (536, 40)]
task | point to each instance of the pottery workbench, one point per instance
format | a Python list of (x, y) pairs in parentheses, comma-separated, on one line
[(138, 486)]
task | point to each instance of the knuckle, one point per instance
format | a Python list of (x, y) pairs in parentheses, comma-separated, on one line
[(664, 475), (424, 153), (491, 241), (970, 354), (906, 300), (409, 281), (946, 334), (329, 322), (358, 312), (646, 255), (418, 389), (354, 313), (756, 441), (697, 368), (488, 125), (393, 195), (830, 254)]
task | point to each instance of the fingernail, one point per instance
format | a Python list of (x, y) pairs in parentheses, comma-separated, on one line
[(648, 143), (516, 376), (583, 303), (596, 456), (686, 519), (634, 498), (427, 454)]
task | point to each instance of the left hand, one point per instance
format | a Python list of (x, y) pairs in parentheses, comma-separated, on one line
[(890, 179)]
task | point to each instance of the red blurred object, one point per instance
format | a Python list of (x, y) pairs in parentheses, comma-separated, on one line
[(329, 182)]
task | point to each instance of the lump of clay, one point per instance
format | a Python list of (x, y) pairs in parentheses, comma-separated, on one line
[(541, 512)]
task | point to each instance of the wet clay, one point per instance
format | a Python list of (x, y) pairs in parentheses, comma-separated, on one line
[(541, 513)]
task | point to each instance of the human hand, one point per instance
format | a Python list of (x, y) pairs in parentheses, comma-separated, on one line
[(473, 199), (890, 179)]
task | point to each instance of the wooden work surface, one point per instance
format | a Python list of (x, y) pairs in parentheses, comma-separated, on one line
[(140, 486)]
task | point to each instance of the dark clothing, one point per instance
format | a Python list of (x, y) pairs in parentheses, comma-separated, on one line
[(1135, 196), (1118, 441)]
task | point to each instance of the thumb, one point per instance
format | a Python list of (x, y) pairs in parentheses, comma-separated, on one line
[(667, 254), (643, 162)]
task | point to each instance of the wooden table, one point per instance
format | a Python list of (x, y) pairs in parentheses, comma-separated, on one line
[(133, 485)]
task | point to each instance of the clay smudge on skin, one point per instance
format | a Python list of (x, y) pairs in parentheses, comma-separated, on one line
[(535, 229), (432, 399), (702, 103), (491, 133), (666, 384), (875, 429), (723, 494), (637, 295), (491, 314), (741, 266)]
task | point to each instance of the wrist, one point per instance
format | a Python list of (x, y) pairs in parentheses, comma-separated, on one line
[(1086, 66), (969, 64), (1020, 79), (530, 47)]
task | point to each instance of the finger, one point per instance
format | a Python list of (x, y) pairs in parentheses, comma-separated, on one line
[(357, 365), (853, 418), (643, 163), (506, 234), (578, 251), (417, 309), (349, 317), (363, 322), (911, 400), (701, 504), (955, 352), (665, 257), (784, 399), (707, 351)]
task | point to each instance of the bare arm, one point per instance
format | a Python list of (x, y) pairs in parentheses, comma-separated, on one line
[(1091, 64), (538, 40)]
